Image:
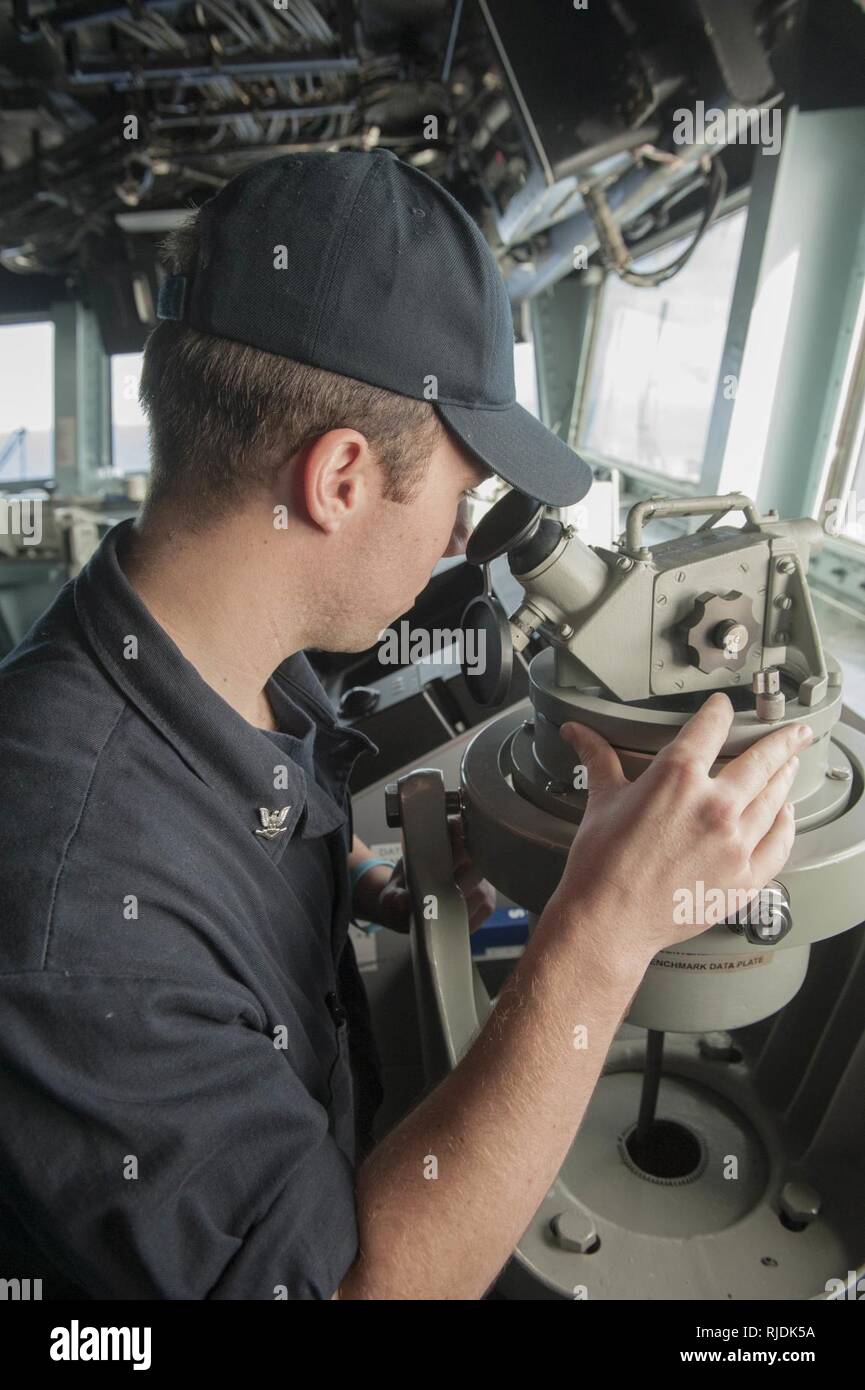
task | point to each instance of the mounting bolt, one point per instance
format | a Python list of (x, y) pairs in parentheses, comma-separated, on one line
[(625, 563), (784, 601), (779, 638), (662, 599), (799, 1203), (566, 631), (767, 918), (575, 1230), (529, 726), (680, 577), (839, 774), (786, 566), (557, 788), (771, 703)]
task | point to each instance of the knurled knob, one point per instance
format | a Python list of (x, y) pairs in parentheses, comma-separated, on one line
[(767, 919)]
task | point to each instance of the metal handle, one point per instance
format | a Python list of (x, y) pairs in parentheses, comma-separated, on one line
[(714, 507)]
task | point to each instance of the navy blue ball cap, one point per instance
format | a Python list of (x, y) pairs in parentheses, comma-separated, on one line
[(356, 262)]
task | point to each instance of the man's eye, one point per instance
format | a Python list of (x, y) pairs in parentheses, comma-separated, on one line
[(461, 520)]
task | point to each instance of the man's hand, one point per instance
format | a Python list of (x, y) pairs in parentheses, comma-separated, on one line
[(501, 1122), (390, 903), (640, 842)]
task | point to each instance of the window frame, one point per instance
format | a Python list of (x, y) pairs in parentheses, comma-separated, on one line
[(847, 446)]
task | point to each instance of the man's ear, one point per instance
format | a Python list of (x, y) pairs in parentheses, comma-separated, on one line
[(334, 477)]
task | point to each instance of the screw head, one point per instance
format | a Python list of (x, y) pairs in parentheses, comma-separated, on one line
[(574, 1230), (786, 566), (556, 788), (839, 774), (799, 1202)]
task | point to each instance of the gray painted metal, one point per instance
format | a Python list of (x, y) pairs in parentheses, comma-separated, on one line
[(521, 807)]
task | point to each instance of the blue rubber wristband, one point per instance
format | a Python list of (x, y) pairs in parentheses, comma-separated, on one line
[(360, 869)]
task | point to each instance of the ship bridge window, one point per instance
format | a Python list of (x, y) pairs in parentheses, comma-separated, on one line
[(26, 402), (654, 367), (128, 423)]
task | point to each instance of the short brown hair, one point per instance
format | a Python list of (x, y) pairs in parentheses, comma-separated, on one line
[(224, 417)]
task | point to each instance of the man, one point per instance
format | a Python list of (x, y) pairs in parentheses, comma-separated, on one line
[(188, 1082)]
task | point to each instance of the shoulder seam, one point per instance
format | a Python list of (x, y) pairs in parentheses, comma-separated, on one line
[(73, 832)]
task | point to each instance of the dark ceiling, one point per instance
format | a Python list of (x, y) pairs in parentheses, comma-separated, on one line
[(116, 116)]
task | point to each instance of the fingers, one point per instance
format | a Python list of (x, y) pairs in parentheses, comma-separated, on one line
[(467, 878), (758, 818), (601, 761), (480, 903), (394, 908), (745, 777), (773, 851), (457, 834), (467, 875), (705, 733), (398, 902)]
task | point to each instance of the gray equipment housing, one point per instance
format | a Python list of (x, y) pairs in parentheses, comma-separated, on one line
[(639, 636)]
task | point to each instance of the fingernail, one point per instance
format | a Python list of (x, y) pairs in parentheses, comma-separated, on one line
[(803, 732)]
